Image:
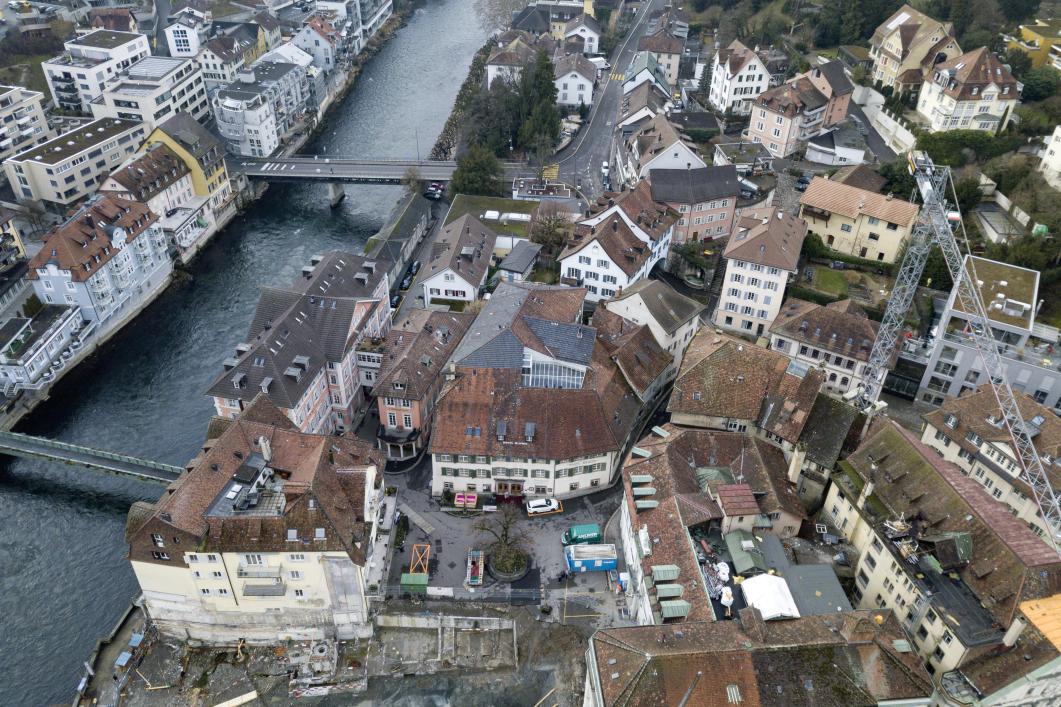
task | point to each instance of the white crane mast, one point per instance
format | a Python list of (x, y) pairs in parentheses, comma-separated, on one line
[(933, 228)]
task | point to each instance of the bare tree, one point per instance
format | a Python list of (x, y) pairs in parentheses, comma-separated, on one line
[(509, 541), (411, 180), (550, 228)]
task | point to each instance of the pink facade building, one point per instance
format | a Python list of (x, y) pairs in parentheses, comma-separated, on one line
[(705, 199)]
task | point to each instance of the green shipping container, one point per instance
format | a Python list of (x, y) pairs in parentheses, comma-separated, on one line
[(414, 583), (581, 534)]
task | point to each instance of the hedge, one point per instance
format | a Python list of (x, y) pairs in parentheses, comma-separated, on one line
[(815, 249), (810, 295)]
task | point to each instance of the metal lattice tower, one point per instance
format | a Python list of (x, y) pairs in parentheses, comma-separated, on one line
[(933, 228)]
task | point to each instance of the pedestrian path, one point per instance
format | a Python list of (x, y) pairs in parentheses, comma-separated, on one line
[(417, 519), (551, 172)]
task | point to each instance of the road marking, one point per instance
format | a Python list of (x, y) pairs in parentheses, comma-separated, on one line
[(552, 171), (616, 76)]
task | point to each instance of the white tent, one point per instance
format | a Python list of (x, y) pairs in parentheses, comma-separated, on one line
[(770, 595)]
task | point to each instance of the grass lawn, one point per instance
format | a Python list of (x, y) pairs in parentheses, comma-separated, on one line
[(27, 72), (478, 205), (830, 281), (544, 275)]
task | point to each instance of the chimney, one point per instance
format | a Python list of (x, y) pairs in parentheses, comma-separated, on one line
[(1013, 632), (867, 490), (751, 622), (615, 226)]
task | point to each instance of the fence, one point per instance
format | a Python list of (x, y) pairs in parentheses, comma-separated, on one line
[(17, 442)]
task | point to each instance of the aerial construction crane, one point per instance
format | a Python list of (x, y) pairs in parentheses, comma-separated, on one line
[(934, 229)]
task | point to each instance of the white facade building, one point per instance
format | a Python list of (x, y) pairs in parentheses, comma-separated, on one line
[(738, 76), (974, 91), (153, 89), (575, 78), (186, 35), (78, 76), (761, 255), (109, 258), (461, 260), (1050, 166)]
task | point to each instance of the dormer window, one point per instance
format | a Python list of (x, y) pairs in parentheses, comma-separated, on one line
[(950, 421), (976, 90), (399, 386)]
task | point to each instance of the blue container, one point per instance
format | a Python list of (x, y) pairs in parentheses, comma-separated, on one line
[(590, 558)]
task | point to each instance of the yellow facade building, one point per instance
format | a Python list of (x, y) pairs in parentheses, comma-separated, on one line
[(1036, 40)]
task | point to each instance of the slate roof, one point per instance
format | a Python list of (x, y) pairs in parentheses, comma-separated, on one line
[(589, 20), (296, 331), (575, 63), (464, 247), (417, 353), (521, 258), (490, 340), (816, 589), (692, 186), (151, 173), (1010, 563), (837, 660), (827, 427), (84, 242), (852, 202), (767, 236), (333, 471), (532, 19), (840, 327), (668, 307), (118, 19), (728, 378), (197, 140), (836, 77)]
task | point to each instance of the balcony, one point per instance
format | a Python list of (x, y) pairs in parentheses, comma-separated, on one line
[(272, 589), (259, 572), (397, 434), (1042, 354)]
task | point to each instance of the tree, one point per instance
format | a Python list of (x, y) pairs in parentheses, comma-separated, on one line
[(550, 228), (494, 116), (1016, 10), (1040, 83), (967, 191), (1019, 61), (541, 152), (899, 181), (478, 172), (509, 541), (705, 76), (411, 180)]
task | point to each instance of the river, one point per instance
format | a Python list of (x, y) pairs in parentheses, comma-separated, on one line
[(63, 573)]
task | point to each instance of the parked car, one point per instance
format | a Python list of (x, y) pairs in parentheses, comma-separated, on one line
[(801, 186), (395, 301), (604, 169), (809, 274), (437, 186), (414, 268), (429, 194), (804, 179), (837, 265), (582, 534), (538, 506), (407, 282)]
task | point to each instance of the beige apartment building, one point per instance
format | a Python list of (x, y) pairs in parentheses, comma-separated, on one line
[(969, 432), (930, 544), (856, 221), (907, 45), (22, 121), (71, 166), (268, 537)]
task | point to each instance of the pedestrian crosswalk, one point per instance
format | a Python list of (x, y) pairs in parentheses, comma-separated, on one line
[(616, 76), (551, 171)]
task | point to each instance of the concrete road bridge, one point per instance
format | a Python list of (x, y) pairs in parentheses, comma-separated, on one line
[(350, 171)]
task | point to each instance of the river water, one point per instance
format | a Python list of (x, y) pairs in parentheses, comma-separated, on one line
[(64, 579)]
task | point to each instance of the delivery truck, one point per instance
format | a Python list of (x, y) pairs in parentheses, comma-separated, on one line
[(582, 534)]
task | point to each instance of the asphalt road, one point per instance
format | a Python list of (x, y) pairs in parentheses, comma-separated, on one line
[(593, 145)]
